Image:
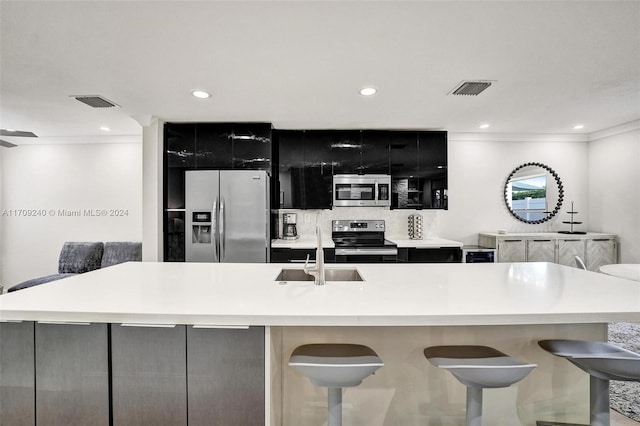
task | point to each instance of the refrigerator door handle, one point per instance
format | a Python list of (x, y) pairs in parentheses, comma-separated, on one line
[(221, 233), (214, 220)]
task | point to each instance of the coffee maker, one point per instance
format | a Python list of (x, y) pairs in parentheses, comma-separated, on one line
[(289, 231)]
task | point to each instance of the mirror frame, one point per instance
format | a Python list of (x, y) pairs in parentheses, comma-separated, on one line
[(560, 193)]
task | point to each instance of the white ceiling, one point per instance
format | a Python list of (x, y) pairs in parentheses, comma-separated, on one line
[(301, 64)]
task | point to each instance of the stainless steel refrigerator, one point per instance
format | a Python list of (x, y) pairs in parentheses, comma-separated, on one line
[(227, 215)]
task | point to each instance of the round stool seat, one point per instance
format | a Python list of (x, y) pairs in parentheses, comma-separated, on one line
[(599, 359), (335, 365), (479, 366), (603, 362)]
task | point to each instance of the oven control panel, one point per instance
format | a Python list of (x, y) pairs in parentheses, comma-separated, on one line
[(357, 225)]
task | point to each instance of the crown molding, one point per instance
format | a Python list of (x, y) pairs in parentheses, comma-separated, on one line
[(615, 130), (519, 137), (73, 140)]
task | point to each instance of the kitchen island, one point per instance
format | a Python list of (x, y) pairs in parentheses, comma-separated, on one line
[(397, 310)]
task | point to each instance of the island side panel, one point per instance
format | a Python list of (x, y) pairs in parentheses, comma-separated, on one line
[(409, 390)]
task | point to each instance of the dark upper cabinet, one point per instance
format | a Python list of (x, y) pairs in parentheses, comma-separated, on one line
[(290, 182), (251, 146), (180, 145), (319, 160), (374, 152), (335, 151), (214, 147), (418, 162)]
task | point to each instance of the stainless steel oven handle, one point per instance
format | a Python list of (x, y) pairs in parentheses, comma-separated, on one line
[(366, 252)]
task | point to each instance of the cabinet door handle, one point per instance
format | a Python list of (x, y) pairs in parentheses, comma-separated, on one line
[(297, 261), (601, 239), (64, 322), (542, 241), (147, 325), (512, 241)]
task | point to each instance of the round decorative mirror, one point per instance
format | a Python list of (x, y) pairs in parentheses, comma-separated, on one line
[(533, 193)]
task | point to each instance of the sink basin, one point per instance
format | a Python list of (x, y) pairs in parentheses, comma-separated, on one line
[(330, 274)]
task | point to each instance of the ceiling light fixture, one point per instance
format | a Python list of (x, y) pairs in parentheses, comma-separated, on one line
[(105, 128), (484, 126), (368, 91), (200, 94), (578, 127)]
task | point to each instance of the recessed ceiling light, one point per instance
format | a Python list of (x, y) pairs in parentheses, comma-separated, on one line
[(484, 126), (578, 127), (105, 128), (368, 91), (200, 94)]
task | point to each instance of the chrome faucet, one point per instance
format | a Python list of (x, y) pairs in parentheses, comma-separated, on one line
[(317, 271)]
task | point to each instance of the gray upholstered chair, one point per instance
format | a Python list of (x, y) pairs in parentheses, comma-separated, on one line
[(121, 251), (75, 258)]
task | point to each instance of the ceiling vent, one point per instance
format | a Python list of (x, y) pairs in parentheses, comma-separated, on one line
[(16, 134), (470, 88), (94, 101)]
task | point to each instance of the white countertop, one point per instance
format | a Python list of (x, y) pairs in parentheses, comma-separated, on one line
[(588, 235), (391, 295), (310, 243), (629, 271)]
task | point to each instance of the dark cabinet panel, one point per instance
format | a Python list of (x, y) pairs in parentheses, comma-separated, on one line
[(251, 146), (290, 190), (214, 148), (375, 152), (430, 255), (225, 376), (72, 375), (419, 170), (149, 375), (287, 255), (321, 161), (17, 375), (180, 145)]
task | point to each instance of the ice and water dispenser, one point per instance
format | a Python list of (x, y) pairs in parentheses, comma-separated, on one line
[(201, 228)]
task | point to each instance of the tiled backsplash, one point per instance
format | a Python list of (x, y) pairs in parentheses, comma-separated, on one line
[(395, 220)]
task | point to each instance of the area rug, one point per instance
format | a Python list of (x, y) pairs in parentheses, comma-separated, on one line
[(625, 396)]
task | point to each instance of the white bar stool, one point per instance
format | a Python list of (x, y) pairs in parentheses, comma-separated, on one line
[(335, 366), (478, 367), (603, 361)]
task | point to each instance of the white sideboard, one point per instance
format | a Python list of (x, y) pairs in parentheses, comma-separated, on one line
[(596, 249)]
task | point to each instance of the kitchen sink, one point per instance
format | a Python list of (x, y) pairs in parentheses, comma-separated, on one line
[(330, 274)]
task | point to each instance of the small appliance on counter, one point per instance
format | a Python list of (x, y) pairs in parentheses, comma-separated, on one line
[(415, 226), (289, 230)]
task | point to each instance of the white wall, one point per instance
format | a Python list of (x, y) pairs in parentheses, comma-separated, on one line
[(614, 190), (70, 177), (478, 168)]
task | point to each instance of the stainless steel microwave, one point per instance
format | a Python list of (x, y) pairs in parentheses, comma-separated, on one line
[(361, 190)]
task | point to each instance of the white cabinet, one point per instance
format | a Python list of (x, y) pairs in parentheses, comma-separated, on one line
[(512, 250), (541, 250), (596, 249), (568, 249), (600, 252)]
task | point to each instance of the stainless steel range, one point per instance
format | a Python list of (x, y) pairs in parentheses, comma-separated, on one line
[(362, 241)]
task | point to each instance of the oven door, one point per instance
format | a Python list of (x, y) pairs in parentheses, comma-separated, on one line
[(367, 255)]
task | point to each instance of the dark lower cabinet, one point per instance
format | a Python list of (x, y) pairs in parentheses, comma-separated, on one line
[(149, 375), (225, 376), (65, 374), (287, 255), (430, 255), (17, 375), (72, 374)]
